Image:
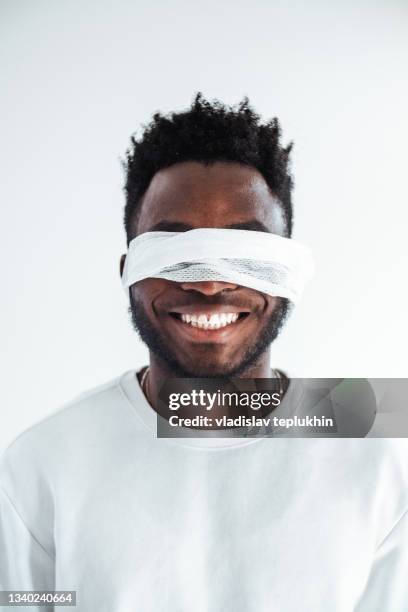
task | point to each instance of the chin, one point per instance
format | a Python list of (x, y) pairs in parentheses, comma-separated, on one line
[(207, 369), (211, 373)]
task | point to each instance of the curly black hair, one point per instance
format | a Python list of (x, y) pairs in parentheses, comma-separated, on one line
[(208, 132)]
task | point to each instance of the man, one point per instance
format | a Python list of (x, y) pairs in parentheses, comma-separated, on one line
[(93, 501)]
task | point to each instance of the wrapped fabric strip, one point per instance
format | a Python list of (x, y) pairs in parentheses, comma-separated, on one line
[(261, 261)]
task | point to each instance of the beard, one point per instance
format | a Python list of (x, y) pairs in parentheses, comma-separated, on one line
[(157, 344)]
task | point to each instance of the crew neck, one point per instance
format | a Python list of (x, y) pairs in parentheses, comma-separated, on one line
[(130, 386)]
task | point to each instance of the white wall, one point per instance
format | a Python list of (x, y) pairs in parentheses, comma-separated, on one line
[(79, 77)]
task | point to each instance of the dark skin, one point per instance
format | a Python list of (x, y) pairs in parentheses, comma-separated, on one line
[(191, 195)]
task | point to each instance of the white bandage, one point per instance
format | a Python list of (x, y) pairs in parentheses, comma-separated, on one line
[(265, 262)]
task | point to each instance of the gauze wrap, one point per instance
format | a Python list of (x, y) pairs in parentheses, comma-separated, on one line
[(265, 262)]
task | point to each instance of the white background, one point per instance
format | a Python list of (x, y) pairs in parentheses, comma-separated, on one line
[(77, 78)]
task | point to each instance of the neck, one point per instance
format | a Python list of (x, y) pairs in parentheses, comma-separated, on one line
[(160, 371)]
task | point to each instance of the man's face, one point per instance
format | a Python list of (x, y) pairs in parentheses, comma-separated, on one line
[(167, 314)]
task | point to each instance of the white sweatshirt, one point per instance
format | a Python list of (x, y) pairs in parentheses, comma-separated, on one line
[(92, 501)]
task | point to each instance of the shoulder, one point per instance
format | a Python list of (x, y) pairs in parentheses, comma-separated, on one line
[(371, 456), (64, 429)]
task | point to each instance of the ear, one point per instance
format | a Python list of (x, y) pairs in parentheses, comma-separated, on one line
[(122, 264)]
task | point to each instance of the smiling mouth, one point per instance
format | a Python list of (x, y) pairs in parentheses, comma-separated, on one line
[(211, 321)]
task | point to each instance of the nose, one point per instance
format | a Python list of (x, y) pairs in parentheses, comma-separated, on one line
[(208, 287)]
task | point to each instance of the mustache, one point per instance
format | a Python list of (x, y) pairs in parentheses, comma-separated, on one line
[(215, 300)]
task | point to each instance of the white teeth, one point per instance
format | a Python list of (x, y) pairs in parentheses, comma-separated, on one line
[(213, 321)]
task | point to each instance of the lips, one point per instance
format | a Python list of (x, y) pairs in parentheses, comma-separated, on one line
[(209, 321)]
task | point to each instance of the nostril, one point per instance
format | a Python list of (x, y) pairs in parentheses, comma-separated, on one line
[(208, 287)]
